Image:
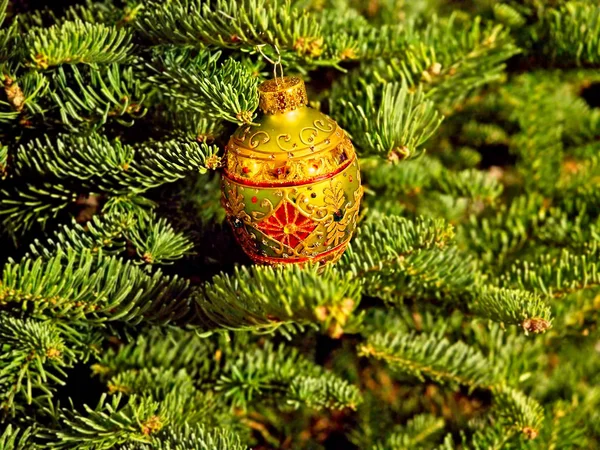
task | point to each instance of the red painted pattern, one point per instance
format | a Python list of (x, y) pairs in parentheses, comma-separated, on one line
[(287, 225)]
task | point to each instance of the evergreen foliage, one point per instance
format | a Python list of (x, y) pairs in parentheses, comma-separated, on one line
[(465, 312)]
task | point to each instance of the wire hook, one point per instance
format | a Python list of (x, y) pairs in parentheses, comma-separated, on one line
[(275, 63)]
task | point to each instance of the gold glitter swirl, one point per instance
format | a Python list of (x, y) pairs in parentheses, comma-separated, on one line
[(254, 142), (259, 215), (241, 134), (286, 138), (311, 139), (320, 125)]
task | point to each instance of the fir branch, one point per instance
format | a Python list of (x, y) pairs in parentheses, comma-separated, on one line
[(110, 166), (175, 391), (514, 355), (91, 289), (3, 5), (100, 233), (556, 276), (399, 236), (466, 55), (567, 425), (470, 183), (3, 160), (129, 204), (398, 258), (104, 12), (406, 178), (518, 411), (574, 33), (15, 438), (24, 97), (80, 157), (325, 391), (578, 312), (513, 306), (178, 349), (34, 356), (185, 123), (167, 161), (402, 120), (282, 373), (191, 438), (509, 15), (225, 92), (550, 117), (266, 298), (24, 207), (242, 374), (478, 134), (77, 42), (426, 174), (109, 424), (350, 36), (156, 242), (447, 59), (499, 235), (402, 319), (345, 31), (578, 177), (431, 357), (383, 42), (107, 12), (154, 381), (487, 433), (94, 94), (243, 25), (418, 433), (6, 34), (7, 40)]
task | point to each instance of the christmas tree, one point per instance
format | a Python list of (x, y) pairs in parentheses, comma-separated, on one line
[(464, 313)]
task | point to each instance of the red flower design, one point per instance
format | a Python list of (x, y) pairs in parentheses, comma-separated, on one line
[(287, 225)]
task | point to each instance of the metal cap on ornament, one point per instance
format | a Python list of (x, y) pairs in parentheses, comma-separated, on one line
[(281, 95)]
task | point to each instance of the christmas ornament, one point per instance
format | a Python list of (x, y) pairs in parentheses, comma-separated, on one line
[(291, 184)]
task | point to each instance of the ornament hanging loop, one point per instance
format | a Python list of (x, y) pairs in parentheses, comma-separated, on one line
[(275, 63)]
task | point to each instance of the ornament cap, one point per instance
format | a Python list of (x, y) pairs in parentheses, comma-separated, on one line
[(280, 95)]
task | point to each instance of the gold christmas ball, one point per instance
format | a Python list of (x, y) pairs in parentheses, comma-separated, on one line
[(291, 184)]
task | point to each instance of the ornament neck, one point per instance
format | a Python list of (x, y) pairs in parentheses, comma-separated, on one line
[(280, 95)]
